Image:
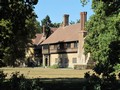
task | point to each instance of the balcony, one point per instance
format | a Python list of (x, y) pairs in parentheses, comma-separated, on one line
[(70, 50), (58, 50)]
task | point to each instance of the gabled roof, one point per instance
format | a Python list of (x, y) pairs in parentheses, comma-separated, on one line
[(53, 29), (36, 40), (40, 38), (64, 34)]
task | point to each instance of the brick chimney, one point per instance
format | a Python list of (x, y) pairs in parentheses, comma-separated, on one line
[(66, 20), (83, 18), (43, 30), (82, 34)]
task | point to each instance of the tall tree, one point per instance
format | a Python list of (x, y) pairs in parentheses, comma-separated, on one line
[(55, 25), (38, 27), (17, 29), (46, 21), (103, 39)]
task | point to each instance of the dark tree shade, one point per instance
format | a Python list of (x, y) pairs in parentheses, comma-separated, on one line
[(17, 25)]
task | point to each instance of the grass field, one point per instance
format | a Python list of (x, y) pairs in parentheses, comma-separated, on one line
[(46, 72)]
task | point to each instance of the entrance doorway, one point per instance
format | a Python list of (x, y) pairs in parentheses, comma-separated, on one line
[(46, 61)]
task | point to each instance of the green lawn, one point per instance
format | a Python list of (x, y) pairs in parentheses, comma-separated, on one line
[(46, 72)]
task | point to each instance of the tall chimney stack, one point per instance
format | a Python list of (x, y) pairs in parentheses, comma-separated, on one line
[(82, 34), (66, 20), (43, 30), (83, 18)]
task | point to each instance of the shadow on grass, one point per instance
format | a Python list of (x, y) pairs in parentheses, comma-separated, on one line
[(62, 83), (76, 84)]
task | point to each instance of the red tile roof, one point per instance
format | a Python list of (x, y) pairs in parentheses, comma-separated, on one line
[(53, 29), (37, 39), (40, 38), (64, 34)]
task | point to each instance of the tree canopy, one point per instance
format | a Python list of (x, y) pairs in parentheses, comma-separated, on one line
[(48, 24), (103, 39), (17, 27)]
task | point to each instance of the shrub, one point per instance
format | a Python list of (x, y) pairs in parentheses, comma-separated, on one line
[(94, 82), (55, 66), (2, 64), (19, 82)]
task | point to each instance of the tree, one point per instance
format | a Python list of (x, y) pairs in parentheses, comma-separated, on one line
[(103, 39), (38, 27), (55, 25), (17, 29), (48, 24), (46, 21), (72, 22)]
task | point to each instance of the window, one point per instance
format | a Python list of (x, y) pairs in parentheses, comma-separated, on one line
[(51, 46), (75, 45), (45, 46), (55, 46), (68, 45), (60, 46), (74, 60)]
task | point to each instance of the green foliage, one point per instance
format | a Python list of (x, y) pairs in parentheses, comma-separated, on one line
[(94, 82), (103, 42), (48, 24), (2, 76), (55, 66), (117, 68), (57, 25), (38, 27), (17, 25), (72, 22), (84, 2), (46, 21), (18, 81), (103, 39)]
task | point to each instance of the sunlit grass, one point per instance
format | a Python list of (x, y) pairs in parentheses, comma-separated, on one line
[(46, 72)]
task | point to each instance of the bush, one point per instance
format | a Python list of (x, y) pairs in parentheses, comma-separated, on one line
[(55, 66), (2, 64), (94, 82), (117, 68)]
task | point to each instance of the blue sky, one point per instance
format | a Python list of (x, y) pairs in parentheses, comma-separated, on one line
[(57, 8)]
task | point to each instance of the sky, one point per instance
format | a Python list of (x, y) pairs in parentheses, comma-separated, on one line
[(57, 8)]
